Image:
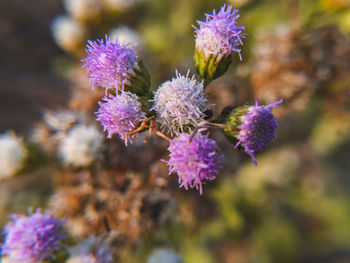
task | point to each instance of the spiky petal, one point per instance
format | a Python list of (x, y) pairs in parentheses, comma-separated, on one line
[(32, 238), (120, 115), (195, 159), (180, 103), (109, 63)]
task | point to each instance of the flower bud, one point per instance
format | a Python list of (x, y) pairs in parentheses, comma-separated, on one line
[(251, 127)]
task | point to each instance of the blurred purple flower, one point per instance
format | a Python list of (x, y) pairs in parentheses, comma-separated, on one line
[(219, 34), (120, 114), (108, 63), (32, 239), (180, 102), (195, 160), (257, 128)]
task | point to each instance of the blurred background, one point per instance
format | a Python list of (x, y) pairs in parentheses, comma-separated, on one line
[(293, 207)]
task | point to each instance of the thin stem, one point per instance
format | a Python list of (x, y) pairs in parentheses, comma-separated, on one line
[(162, 135)]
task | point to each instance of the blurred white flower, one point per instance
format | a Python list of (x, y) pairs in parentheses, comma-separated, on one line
[(67, 32), (81, 146), (126, 35), (120, 5), (82, 9), (12, 153), (61, 120)]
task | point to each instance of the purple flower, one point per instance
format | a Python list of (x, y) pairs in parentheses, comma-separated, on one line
[(120, 114), (194, 160), (32, 239), (180, 102), (108, 64), (257, 128), (219, 33)]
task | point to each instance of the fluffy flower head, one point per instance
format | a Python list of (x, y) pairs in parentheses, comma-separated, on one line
[(195, 159), (180, 102), (12, 153), (108, 63), (219, 33), (91, 251), (82, 146), (120, 115), (33, 238), (257, 128)]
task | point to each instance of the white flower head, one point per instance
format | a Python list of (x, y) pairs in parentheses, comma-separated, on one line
[(12, 154), (81, 146), (180, 103)]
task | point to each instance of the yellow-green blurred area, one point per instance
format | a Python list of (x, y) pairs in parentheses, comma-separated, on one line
[(294, 206)]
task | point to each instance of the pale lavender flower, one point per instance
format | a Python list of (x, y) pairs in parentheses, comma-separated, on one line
[(257, 128), (120, 114), (195, 159), (164, 255), (180, 103), (219, 33), (93, 250), (32, 238), (109, 63)]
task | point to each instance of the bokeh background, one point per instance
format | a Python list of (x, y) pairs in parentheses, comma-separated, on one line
[(293, 207)]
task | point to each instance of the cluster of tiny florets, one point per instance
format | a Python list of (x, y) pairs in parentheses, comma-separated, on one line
[(180, 103), (108, 63), (120, 114), (32, 238), (195, 159), (220, 34), (258, 128)]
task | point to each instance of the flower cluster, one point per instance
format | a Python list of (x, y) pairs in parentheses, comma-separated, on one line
[(179, 105), (32, 239)]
